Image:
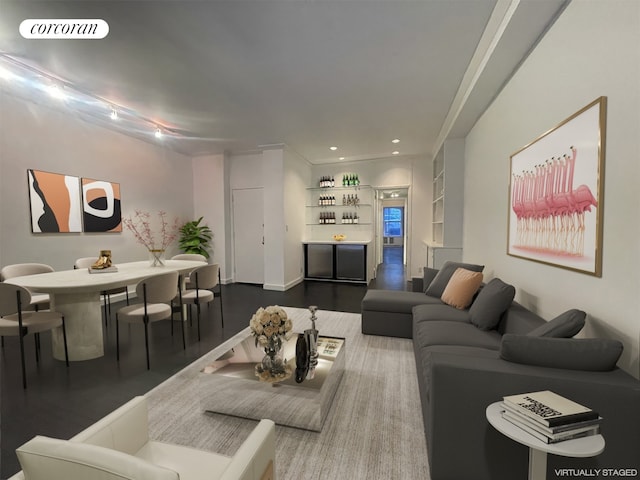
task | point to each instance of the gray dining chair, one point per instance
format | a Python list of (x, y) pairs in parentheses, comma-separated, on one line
[(86, 262), (39, 301), (204, 279), (16, 322), (157, 293)]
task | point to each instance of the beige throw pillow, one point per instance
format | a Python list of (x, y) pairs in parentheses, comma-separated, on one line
[(461, 288)]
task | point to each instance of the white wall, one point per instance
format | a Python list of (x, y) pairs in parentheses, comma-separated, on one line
[(34, 136), (210, 202), (297, 177), (591, 51)]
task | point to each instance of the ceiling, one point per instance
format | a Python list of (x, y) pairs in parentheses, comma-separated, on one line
[(237, 75)]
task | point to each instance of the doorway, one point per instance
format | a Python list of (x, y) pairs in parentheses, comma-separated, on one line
[(392, 237)]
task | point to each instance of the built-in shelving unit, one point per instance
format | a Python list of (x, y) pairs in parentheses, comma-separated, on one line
[(447, 204), (362, 209)]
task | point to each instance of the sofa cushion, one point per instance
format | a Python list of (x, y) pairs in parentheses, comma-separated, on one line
[(492, 301), (590, 354), (461, 288), (395, 301), (565, 325), (439, 283), (454, 333), (430, 312)]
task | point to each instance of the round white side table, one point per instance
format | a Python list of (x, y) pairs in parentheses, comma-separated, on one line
[(538, 450)]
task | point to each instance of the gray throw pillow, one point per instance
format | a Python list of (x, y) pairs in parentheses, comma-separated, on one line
[(589, 354), (565, 325), (436, 287), (492, 301)]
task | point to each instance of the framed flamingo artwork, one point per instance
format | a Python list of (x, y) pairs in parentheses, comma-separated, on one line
[(556, 194)]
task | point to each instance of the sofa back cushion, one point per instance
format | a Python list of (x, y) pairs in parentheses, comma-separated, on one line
[(565, 325), (590, 354), (461, 288), (436, 287), (44, 458), (492, 301), (125, 429)]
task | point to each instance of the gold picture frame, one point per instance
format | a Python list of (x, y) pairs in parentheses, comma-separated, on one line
[(556, 194)]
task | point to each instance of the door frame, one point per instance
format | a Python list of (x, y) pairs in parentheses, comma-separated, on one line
[(379, 203)]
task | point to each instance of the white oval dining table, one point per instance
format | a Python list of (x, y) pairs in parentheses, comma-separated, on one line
[(76, 294)]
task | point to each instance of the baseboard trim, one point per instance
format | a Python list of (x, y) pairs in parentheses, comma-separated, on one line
[(282, 288)]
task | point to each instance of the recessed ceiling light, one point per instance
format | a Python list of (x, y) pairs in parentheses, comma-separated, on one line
[(333, 148), (396, 152), (6, 74), (395, 140), (341, 158), (55, 91)]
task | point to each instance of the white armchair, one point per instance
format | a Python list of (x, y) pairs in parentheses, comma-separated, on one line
[(118, 447)]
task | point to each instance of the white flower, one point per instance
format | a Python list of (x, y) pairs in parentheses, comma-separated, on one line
[(262, 340)]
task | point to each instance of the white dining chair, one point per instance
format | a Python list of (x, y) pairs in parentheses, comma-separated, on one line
[(157, 293), (39, 301), (189, 257), (204, 280), (16, 322)]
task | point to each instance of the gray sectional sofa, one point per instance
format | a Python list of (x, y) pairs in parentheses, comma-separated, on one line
[(463, 365)]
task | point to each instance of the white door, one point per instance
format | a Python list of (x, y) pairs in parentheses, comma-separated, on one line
[(248, 235)]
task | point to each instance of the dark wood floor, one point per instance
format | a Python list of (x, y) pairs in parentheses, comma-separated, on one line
[(60, 401)]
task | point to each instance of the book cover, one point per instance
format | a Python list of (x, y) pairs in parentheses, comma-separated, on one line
[(558, 429), (519, 419), (329, 347), (544, 438), (550, 409), (110, 269)]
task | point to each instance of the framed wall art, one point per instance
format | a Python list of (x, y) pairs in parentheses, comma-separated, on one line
[(101, 206), (556, 194), (54, 201)]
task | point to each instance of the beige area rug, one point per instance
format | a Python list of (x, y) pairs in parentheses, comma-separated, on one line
[(373, 430)]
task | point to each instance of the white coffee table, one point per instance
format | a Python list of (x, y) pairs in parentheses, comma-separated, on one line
[(231, 387), (538, 450)]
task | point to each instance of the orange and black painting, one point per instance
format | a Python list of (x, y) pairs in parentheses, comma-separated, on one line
[(55, 202), (101, 206)]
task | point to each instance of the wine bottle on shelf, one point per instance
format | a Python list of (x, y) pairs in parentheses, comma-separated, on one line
[(357, 180), (355, 218), (333, 183), (333, 200), (344, 199)]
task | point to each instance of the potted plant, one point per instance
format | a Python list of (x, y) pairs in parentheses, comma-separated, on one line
[(195, 238)]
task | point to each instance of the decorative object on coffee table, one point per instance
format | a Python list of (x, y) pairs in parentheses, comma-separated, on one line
[(270, 326)]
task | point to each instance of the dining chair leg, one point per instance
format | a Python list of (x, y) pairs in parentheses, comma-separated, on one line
[(24, 373), (184, 344), (107, 310), (146, 340), (117, 338), (198, 309), (220, 295), (64, 337), (35, 344)]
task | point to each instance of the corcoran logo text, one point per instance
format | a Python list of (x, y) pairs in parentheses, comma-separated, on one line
[(64, 29)]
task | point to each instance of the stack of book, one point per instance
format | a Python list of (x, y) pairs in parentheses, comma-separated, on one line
[(550, 417)]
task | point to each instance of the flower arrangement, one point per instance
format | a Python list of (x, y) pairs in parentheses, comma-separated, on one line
[(269, 322), (269, 326), (140, 225)]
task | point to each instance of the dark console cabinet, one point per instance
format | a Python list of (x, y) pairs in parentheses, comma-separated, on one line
[(336, 261)]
